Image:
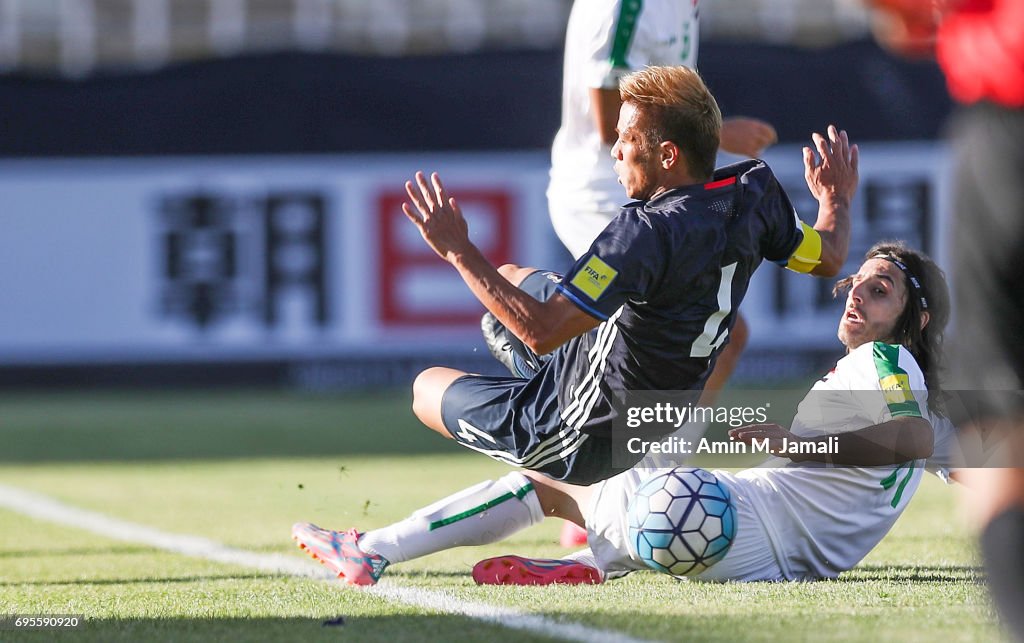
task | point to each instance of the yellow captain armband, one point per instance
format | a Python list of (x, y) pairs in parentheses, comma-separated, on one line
[(808, 253)]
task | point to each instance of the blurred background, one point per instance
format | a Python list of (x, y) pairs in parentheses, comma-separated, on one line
[(205, 193)]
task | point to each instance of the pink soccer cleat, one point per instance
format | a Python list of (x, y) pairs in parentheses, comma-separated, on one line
[(573, 536), (515, 570), (339, 551)]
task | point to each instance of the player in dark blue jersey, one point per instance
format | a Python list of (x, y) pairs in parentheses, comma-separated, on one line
[(663, 281), (650, 305)]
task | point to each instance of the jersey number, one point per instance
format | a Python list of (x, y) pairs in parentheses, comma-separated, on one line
[(709, 340), (890, 481)]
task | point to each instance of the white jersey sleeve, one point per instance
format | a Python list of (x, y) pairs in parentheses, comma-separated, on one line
[(627, 35)]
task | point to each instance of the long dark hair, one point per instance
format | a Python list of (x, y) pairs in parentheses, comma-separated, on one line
[(924, 344)]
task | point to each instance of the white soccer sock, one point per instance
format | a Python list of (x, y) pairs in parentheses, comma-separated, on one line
[(484, 513)]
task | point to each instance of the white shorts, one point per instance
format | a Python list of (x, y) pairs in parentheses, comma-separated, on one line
[(751, 557), (576, 226)]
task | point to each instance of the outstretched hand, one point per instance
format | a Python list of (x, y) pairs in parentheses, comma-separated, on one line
[(775, 434), (832, 173), (747, 136), (437, 216)]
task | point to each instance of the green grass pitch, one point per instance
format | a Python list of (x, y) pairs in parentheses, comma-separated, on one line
[(240, 468)]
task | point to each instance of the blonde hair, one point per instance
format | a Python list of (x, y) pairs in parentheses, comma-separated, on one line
[(677, 106)]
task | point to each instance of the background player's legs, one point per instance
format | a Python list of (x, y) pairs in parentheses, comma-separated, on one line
[(1002, 543), (727, 361), (989, 298), (996, 503), (427, 392)]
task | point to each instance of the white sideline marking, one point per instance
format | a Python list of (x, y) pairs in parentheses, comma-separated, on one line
[(45, 508)]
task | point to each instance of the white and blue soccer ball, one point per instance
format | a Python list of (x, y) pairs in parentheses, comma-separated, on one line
[(681, 522)]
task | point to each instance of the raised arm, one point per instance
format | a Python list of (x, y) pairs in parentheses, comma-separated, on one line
[(832, 179), (896, 441), (604, 109), (542, 326)]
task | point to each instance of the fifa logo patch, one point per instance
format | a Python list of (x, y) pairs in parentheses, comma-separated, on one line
[(896, 389), (594, 278)]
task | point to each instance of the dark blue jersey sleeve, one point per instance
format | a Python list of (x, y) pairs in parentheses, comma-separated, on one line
[(623, 263), (781, 230)]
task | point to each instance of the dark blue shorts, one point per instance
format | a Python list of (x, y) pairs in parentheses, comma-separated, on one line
[(517, 420)]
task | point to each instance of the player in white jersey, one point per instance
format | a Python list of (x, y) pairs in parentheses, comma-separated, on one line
[(605, 40), (796, 520), (799, 519)]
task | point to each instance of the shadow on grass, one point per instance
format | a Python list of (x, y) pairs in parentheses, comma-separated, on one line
[(915, 574), (135, 581), (118, 550), (397, 628), (463, 574)]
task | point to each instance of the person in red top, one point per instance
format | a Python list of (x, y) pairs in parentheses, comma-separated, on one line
[(980, 46)]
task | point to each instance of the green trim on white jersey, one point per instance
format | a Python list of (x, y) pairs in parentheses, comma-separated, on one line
[(894, 381), (890, 480), (625, 27)]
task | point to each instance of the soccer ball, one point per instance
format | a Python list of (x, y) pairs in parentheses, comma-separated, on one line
[(682, 522)]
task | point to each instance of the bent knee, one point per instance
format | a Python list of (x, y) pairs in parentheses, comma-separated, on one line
[(423, 396), (427, 393)]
